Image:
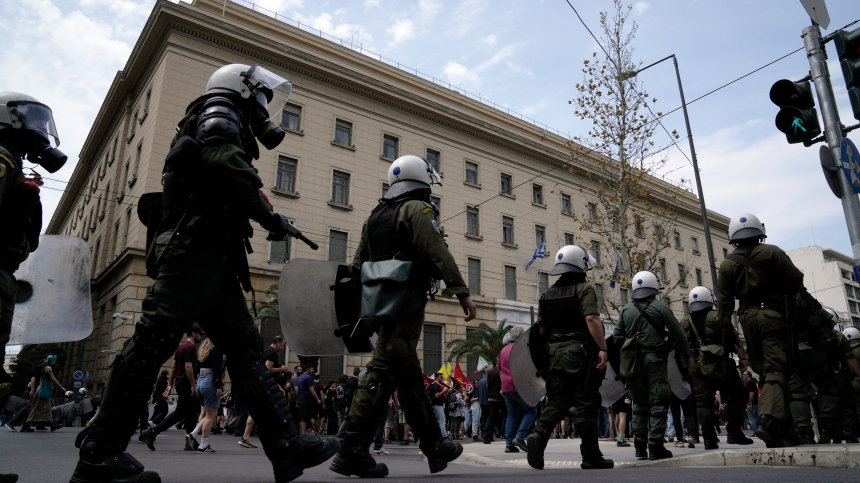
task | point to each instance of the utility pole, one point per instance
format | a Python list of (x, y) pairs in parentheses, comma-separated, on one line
[(832, 130)]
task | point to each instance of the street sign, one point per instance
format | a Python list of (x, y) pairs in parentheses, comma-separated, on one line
[(78, 375), (851, 163), (817, 11), (77, 384), (857, 273), (831, 170)]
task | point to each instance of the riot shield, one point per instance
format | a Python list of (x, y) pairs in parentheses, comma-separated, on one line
[(309, 313), (53, 302), (524, 372), (680, 387), (612, 389)]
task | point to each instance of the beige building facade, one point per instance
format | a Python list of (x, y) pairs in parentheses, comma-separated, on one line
[(828, 275), (348, 117)]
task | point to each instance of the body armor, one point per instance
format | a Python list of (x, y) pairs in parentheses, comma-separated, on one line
[(563, 313)]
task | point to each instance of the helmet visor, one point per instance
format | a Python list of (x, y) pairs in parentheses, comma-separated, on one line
[(36, 117), (279, 87)]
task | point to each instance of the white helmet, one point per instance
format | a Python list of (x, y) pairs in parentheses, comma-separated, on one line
[(746, 225), (21, 113), (409, 173), (646, 284), (82, 391), (701, 298), (572, 258), (69, 393), (852, 334), (247, 81)]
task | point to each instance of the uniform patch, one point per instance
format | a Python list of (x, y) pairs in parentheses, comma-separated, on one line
[(2, 170), (427, 210), (435, 225)]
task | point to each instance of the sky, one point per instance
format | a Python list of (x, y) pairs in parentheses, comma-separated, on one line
[(523, 55)]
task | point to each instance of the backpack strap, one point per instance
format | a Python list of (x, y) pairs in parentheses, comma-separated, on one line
[(693, 325), (643, 317), (757, 268)]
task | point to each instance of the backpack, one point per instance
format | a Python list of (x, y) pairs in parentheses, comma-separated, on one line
[(629, 358)]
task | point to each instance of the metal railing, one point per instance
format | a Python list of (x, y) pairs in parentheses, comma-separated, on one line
[(358, 47)]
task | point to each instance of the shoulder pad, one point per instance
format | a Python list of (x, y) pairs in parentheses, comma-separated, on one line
[(219, 122)]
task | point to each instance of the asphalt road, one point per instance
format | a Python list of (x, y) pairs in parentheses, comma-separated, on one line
[(51, 457)]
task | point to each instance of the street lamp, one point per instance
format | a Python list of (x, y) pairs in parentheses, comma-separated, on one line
[(633, 73)]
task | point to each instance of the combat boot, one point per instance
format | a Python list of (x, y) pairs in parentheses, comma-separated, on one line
[(657, 451), (641, 446), (850, 438), (354, 457), (807, 435), (440, 453), (768, 430), (735, 435), (709, 434), (103, 460), (592, 458), (536, 443), (291, 454), (830, 431), (789, 434)]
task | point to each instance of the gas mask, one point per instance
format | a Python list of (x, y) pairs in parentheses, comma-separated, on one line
[(34, 132), (263, 86), (50, 158)]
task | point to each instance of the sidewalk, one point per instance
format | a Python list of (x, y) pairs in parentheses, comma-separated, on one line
[(562, 454)]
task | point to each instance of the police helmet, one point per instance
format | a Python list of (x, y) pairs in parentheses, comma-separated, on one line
[(746, 225), (572, 258), (20, 112), (852, 334), (646, 284), (701, 298), (409, 173)]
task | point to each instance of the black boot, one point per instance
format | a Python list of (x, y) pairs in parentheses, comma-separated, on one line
[(103, 460), (440, 454), (641, 446), (536, 444), (768, 430), (832, 432), (354, 457), (8, 478), (735, 435), (807, 435), (592, 458), (850, 438), (710, 437), (657, 451), (789, 434)]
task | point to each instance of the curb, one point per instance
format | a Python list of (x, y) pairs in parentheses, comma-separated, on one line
[(798, 457)]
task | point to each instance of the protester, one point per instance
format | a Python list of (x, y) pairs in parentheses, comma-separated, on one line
[(40, 406), (474, 403), (458, 411), (484, 403), (516, 407), (209, 391), (320, 411), (438, 398), (498, 413), (159, 399), (331, 408), (621, 408), (308, 401), (752, 403)]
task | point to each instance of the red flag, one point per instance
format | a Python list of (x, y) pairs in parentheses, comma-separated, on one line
[(461, 378), (428, 381)]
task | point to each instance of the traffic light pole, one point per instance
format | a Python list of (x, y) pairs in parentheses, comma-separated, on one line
[(832, 130)]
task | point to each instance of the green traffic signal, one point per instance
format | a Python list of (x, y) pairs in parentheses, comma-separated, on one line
[(797, 117)]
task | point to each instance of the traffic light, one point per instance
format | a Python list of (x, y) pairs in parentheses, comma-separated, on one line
[(797, 117), (848, 48)]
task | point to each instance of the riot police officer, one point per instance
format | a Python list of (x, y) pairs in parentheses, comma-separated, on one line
[(403, 227), (648, 320), (568, 316), (26, 129), (849, 386), (760, 276), (712, 369), (196, 256)]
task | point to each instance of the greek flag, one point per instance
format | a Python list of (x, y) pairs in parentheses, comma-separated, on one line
[(538, 254), (614, 276)]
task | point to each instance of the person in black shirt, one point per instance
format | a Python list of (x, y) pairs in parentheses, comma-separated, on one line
[(751, 389), (498, 411)]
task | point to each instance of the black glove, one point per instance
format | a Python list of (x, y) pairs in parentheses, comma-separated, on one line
[(280, 228)]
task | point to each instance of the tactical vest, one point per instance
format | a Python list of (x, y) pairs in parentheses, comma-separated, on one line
[(20, 218), (562, 314), (707, 333), (382, 241)]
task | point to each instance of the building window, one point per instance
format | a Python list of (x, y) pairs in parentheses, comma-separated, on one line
[(337, 245), (133, 127), (623, 296), (115, 241), (658, 234), (146, 100), (473, 226), (474, 276), (95, 261), (438, 201), (640, 230), (725, 252), (343, 132), (677, 240), (543, 282), (137, 153), (471, 173), (507, 184), (389, 146), (279, 251), (286, 178), (292, 117), (663, 275), (432, 348), (694, 243), (510, 282), (699, 277), (854, 307), (433, 159), (126, 229), (540, 235), (385, 187), (569, 239), (508, 230), (566, 205), (340, 188), (537, 194), (682, 274), (592, 212), (595, 252), (686, 307), (113, 150), (598, 291)]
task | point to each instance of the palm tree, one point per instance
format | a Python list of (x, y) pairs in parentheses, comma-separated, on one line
[(269, 309), (485, 342)]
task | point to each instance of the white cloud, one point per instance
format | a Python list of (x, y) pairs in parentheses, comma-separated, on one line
[(465, 14), (401, 31), (462, 76), (519, 70), (343, 30), (279, 6), (640, 7), (427, 10), (490, 40), (371, 3), (532, 109)]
